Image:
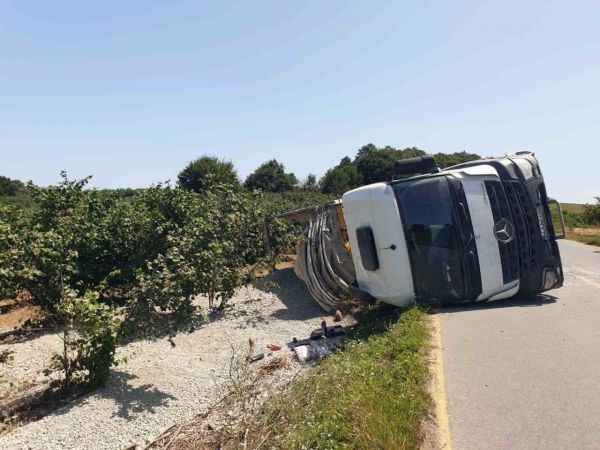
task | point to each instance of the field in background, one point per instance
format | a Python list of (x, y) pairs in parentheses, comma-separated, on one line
[(577, 230), (573, 208), (589, 236)]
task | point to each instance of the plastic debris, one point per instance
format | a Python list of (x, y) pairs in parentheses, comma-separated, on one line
[(256, 357), (322, 342)]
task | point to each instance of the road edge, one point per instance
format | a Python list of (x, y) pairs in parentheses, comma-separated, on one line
[(439, 396)]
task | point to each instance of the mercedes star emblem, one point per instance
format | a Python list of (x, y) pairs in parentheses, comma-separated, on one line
[(504, 231)]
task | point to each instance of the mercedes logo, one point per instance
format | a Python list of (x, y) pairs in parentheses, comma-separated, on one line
[(504, 231)]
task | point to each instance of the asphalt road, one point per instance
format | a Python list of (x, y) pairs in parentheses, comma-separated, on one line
[(525, 374)]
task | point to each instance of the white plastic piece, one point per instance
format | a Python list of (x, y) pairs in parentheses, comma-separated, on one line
[(302, 352)]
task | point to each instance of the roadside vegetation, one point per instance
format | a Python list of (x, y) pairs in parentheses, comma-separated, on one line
[(102, 267), (590, 236), (371, 395), (583, 222)]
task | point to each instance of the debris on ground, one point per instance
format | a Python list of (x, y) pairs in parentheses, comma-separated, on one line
[(255, 357), (276, 363), (338, 316), (322, 342)]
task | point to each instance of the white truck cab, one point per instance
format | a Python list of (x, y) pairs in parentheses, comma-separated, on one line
[(477, 231)]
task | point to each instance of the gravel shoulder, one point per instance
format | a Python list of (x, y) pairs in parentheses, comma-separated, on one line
[(164, 381)]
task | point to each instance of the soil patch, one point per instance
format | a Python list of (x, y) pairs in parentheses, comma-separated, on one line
[(16, 316)]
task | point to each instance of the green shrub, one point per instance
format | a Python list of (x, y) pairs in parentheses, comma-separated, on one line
[(591, 213), (12, 251), (89, 339), (574, 220), (206, 255), (89, 256), (90, 241)]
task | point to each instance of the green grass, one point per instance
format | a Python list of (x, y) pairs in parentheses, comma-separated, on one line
[(372, 395), (592, 240)]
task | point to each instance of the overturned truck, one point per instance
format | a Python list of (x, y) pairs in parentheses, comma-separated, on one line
[(482, 230)]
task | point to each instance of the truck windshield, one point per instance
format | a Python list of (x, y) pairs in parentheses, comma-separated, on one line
[(432, 237)]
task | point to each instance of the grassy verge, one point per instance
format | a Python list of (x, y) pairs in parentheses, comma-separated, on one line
[(371, 395)]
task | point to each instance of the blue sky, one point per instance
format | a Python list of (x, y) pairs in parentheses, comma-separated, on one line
[(131, 91)]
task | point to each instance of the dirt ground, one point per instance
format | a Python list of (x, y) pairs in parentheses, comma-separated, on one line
[(17, 315), (586, 231)]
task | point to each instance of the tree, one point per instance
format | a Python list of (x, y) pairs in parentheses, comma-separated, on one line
[(271, 177), (341, 178), (377, 164), (203, 172), (591, 213), (10, 187), (373, 164), (451, 159), (311, 183)]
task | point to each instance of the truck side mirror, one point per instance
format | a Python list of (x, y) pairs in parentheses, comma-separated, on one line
[(367, 249), (557, 218)]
